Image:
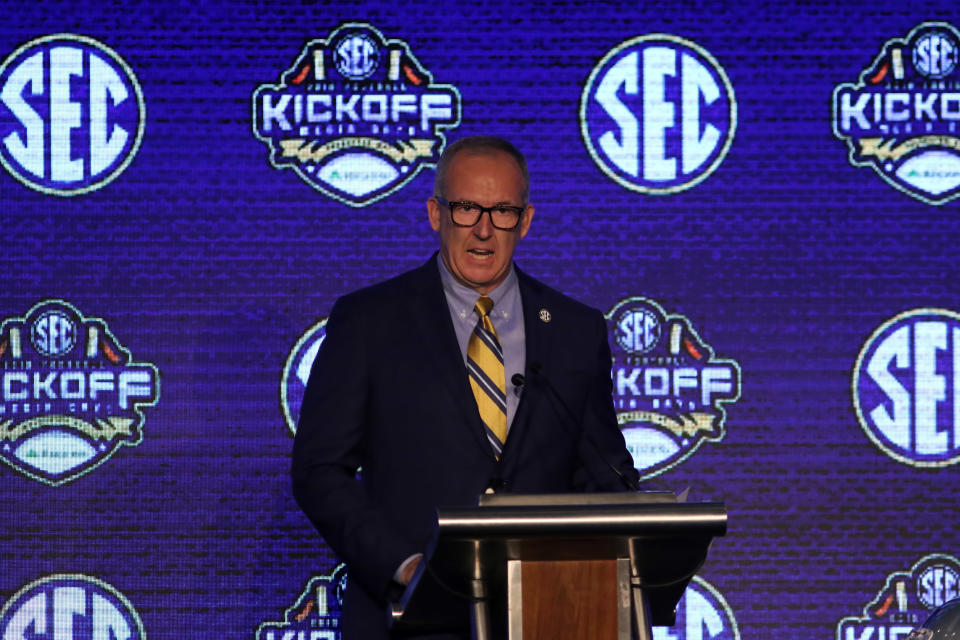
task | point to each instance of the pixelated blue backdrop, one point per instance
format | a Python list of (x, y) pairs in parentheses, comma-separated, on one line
[(760, 196)]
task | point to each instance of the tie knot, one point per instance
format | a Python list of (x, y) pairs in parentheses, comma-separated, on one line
[(484, 306)]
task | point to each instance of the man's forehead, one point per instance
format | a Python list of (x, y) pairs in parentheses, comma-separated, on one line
[(499, 155), (501, 159)]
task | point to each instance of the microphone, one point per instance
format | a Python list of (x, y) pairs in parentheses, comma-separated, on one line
[(537, 371), (498, 484)]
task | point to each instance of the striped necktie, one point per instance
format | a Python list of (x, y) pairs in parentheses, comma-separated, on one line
[(487, 379)]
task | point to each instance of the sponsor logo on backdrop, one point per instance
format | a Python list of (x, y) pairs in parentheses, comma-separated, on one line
[(658, 114), (669, 389), (316, 613), (70, 394), (296, 372), (702, 614), (356, 116), (71, 114), (901, 118), (69, 607), (906, 387), (905, 600)]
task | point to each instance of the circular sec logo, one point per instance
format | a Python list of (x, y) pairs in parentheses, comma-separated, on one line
[(937, 584), (658, 114), (72, 114), (296, 372), (356, 56), (906, 387), (935, 54), (53, 333), (702, 614), (70, 607), (638, 330)]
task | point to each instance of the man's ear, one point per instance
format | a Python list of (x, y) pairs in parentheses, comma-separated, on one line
[(433, 211)]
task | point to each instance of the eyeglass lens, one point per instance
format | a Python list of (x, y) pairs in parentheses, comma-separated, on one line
[(468, 214)]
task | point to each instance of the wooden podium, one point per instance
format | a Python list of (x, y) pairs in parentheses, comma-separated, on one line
[(526, 567)]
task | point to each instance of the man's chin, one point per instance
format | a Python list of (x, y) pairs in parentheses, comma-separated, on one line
[(481, 280)]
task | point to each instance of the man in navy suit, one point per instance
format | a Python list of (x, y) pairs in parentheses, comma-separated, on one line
[(390, 392)]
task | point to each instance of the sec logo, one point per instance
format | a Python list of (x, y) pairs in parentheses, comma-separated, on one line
[(296, 372), (938, 584), (906, 387), (658, 114), (935, 54), (638, 330), (72, 114), (53, 333), (356, 56), (69, 607), (702, 614)]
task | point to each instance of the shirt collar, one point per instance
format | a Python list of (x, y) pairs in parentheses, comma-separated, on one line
[(462, 298)]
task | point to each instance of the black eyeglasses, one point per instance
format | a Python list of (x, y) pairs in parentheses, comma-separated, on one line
[(464, 213)]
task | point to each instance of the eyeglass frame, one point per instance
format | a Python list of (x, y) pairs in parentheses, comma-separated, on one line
[(487, 210)]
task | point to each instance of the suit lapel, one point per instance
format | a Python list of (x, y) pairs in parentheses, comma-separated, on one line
[(537, 345), (431, 316), (535, 328)]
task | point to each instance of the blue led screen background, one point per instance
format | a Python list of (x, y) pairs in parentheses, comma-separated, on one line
[(202, 259)]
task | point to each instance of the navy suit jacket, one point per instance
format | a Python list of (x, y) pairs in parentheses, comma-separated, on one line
[(389, 393)]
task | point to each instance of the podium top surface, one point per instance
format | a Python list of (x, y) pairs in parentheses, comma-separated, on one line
[(517, 518)]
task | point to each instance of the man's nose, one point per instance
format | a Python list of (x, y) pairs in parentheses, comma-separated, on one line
[(484, 228)]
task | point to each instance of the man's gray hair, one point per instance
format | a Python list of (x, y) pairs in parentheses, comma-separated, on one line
[(479, 144)]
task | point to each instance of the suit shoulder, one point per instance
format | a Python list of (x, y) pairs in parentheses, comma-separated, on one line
[(546, 294), (397, 288)]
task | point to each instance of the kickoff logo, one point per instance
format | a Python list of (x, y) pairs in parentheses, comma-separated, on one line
[(901, 118), (658, 114), (296, 373), (69, 607), (356, 116), (70, 393), (906, 387), (71, 114), (316, 613), (668, 388), (905, 600)]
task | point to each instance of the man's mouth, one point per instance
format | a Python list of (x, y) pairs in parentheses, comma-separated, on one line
[(480, 253)]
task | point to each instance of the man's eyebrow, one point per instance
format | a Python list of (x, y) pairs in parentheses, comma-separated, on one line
[(502, 203)]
